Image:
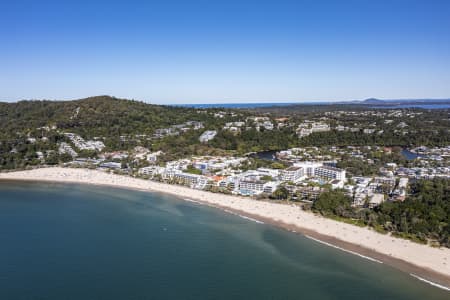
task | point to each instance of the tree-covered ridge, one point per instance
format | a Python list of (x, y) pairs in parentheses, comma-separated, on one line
[(101, 115)]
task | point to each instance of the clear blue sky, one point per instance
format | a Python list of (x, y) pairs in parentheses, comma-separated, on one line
[(225, 51)]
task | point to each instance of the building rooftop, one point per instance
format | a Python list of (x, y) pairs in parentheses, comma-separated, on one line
[(293, 168)]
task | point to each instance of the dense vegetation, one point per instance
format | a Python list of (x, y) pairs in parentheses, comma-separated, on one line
[(424, 136), (253, 140), (120, 124), (123, 124), (95, 116), (423, 216)]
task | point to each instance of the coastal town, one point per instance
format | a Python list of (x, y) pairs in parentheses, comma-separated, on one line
[(225, 150), (368, 175), (358, 164), (303, 180)]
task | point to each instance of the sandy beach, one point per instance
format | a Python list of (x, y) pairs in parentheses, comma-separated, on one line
[(427, 262)]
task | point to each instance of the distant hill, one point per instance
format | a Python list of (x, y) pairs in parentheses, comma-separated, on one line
[(100, 115), (373, 101)]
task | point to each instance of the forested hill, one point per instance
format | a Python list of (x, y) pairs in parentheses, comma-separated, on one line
[(101, 115), (28, 127)]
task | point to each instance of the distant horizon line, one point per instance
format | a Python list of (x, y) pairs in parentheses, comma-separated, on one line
[(219, 102), (315, 101)]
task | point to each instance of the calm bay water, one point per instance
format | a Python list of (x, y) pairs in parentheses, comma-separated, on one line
[(82, 242)]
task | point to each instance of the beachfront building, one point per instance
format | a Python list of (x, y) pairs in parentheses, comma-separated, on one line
[(270, 187), (230, 182), (193, 180), (309, 167), (292, 174), (251, 186), (151, 171), (309, 193), (268, 172), (330, 173)]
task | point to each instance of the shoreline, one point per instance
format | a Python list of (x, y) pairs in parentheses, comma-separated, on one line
[(425, 263)]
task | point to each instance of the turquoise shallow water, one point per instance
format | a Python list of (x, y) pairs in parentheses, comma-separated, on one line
[(83, 242)]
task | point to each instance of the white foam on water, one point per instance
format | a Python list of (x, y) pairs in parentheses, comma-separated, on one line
[(251, 219), (243, 217), (345, 250), (193, 201), (430, 282)]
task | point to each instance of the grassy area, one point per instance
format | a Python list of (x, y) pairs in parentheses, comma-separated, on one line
[(380, 229), (356, 222), (409, 236)]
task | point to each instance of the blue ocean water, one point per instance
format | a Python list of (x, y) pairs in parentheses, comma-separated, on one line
[(61, 241), (271, 104), (423, 106), (248, 105)]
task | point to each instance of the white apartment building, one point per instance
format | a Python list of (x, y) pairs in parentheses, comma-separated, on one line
[(309, 167), (151, 170), (194, 180), (330, 173), (270, 187), (292, 174), (249, 186)]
